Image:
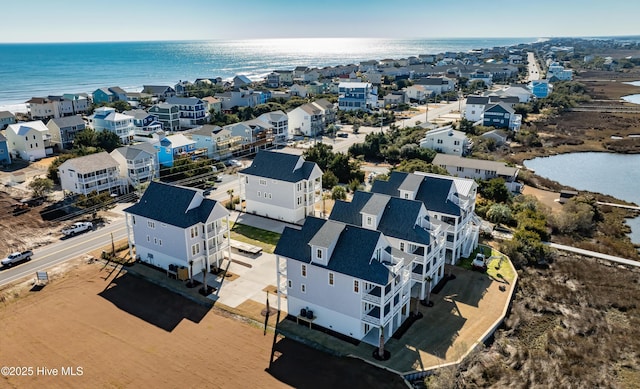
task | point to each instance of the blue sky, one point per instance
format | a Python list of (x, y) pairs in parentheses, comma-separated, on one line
[(120, 20)]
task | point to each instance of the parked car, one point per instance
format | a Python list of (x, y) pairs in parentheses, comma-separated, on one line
[(343, 135), (17, 257), (77, 228), (479, 263), (234, 162)]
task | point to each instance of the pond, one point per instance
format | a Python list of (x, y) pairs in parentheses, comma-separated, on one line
[(613, 174)]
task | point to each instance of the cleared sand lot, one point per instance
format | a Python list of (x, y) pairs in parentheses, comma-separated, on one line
[(126, 332)]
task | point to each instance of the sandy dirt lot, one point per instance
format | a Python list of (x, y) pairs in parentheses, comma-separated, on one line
[(125, 332)]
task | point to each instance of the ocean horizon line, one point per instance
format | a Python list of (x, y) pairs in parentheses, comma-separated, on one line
[(448, 38)]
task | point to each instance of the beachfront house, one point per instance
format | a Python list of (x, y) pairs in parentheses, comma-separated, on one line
[(41, 108), (281, 186), (479, 169), (354, 96), (172, 147), (63, 130), (192, 111), (109, 95), (344, 278), (446, 140), (6, 118), (29, 141), (95, 172), (137, 163), (107, 119), (450, 202), (5, 156), (407, 226), (190, 231), (168, 115)]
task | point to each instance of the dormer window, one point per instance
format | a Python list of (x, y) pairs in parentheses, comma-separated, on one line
[(369, 220), (319, 253)]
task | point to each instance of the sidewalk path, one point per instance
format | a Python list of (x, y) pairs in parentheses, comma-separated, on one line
[(594, 254)]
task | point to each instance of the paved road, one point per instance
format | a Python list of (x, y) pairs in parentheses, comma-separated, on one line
[(534, 70), (64, 250)]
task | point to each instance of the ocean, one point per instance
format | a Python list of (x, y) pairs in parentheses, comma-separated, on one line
[(41, 69)]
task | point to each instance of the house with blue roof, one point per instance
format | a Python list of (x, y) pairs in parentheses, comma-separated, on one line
[(281, 186), (406, 225), (109, 95), (345, 278), (192, 232), (449, 201), (5, 157), (540, 88)]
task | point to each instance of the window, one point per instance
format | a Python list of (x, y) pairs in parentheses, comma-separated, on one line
[(151, 224), (304, 270), (477, 171), (195, 249), (269, 195), (160, 242), (439, 141), (401, 246), (259, 194), (133, 219), (368, 220), (319, 253), (148, 238), (194, 231), (303, 288), (356, 286), (330, 278), (263, 182), (456, 142), (299, 200), (460, 169), (289, 283)]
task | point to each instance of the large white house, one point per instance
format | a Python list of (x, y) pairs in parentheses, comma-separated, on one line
[(450, 201), (406, 225), (349, 277), (446, 140), (174, 225), (107, 119), (279, 122), (29, 140), (95, 172), (281, 186)]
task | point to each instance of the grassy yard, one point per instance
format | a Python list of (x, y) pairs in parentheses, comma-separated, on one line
[(496, 269), (255, 236)]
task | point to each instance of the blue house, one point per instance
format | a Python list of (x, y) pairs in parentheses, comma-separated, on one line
[(109, 95), (539, 88), (5, 158), (174, 146)]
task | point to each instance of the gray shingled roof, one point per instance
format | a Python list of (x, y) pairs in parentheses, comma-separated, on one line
[(433, 191), (6, 114), (184, 100), (327, 234), (397, 221), (68, 121), (477, 100), (351, 255), (279, 166), (169, 204), (90, 163)]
